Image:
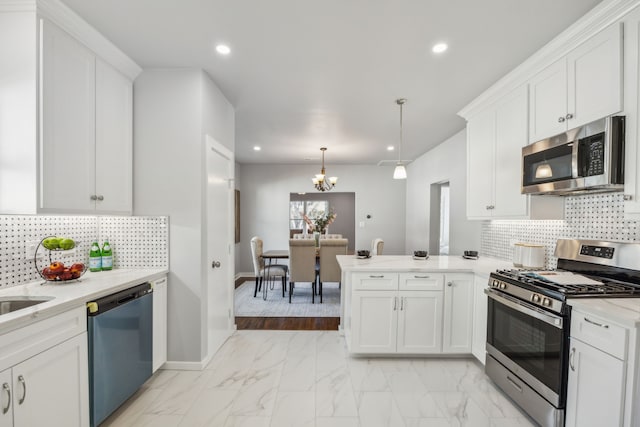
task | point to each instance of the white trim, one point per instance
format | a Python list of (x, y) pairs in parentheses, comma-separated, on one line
[(185, 366), (78, 28), (600, 17), (17, 6), (241, 275)]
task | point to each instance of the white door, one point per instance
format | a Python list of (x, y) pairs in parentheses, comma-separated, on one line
[(481, 134), (374, 321), (458, 313), (548, 101), (420, 322), (219, 258), (52, 388), (595, 392), (480, 303), (6, 401)]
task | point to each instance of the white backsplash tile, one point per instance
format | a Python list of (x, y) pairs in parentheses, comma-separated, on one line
[(137, 242), (596, 216)]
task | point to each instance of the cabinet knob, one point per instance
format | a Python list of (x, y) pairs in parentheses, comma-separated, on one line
[(100, 198), (449, 284), (569, 116), (94, 197), (573, 353), (561, 119)]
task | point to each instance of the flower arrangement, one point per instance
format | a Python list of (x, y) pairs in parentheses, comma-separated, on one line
[(321, 222)]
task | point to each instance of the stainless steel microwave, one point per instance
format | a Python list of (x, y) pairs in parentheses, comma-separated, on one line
[(589, 158)]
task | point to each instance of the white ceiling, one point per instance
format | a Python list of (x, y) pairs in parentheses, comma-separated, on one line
[(303, 74)]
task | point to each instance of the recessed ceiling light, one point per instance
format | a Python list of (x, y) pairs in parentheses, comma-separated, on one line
[(223, 49), (439, 47), (391, 148), (257, 148)]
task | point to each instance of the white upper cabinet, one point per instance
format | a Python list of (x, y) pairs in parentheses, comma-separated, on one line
[(67, 165), (69, 133), (581, 87), (495, 137)]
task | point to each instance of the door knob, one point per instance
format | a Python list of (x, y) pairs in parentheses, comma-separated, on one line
[(215, 264), (561, 119)]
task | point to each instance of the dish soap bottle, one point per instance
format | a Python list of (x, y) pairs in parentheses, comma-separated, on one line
[(95, 257), (107, 255)]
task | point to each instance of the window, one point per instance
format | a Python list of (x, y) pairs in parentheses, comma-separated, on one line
[(312, 208)]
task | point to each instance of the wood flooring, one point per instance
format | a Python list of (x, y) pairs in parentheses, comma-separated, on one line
[(289, 323)]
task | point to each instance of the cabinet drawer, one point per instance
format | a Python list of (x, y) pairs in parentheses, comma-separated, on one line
[(375, 281), (421, 282), (20, 344), (599, 333)]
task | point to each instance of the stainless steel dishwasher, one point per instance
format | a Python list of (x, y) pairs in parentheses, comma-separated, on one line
[(120, 348)]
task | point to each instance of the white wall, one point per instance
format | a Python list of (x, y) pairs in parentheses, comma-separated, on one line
[(173, 109), (446, 162), (264, 199)]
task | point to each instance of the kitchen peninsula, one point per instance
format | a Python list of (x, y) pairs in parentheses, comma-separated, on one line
[(400, 305)]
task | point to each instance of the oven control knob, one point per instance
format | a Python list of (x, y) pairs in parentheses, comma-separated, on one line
[(535, 298), (494, 284), (503, 286), (546, 302)]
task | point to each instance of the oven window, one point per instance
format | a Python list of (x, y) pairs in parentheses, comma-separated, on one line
[(533, 344)]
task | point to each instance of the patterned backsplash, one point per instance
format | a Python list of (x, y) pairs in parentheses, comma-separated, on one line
[(137, 242), (597, 217)]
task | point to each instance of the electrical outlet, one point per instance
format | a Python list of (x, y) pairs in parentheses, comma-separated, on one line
[(30, 249)]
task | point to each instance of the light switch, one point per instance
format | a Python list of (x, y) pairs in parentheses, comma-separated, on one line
[(361, 224)]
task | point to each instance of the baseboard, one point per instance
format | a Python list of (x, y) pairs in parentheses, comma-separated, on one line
[(202, 364), (240, 278)]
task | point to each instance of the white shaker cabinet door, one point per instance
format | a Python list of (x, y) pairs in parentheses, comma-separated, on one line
[(374, 321), (481, 130), (548, 101), (159, 323), (6, 399), (595, 392), (479, 340), (458, 313), (67, 139), (52, 388), (595, 78), (114, 148), (420, 322)]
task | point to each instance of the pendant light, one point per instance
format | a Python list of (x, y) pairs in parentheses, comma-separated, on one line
[(400, 172), (319, 181)]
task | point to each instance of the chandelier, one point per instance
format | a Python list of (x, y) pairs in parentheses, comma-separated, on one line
[(319, 180), (400, 172)]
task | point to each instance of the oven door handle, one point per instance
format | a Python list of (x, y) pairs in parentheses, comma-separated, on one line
[(555, 321)]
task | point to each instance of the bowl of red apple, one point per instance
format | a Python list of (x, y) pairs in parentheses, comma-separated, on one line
[(58, 272)]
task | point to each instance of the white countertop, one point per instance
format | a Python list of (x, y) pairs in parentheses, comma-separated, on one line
[(482, 266), (71, 294), (625, 311)]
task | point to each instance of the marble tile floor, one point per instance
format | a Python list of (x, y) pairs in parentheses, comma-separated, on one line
[(305, 378)]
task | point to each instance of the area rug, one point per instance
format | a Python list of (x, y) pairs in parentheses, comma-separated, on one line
[(277, 306)]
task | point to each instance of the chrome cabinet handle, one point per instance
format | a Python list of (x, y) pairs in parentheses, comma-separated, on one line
[(395, 303), (561, 119), (401, 303), (449, 284), (421, 277), (514, 384), (571, 357), (628, 197), (376, 277), (24, 389), (94, 197), (596, 323), (6, 388), (100, 198), (569, 116)]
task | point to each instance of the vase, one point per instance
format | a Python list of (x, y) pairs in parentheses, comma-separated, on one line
[(316, 237)]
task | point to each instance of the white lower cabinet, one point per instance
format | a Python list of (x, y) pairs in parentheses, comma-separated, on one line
[(595, 394), (410, 313), (479, 332), (159, 323)]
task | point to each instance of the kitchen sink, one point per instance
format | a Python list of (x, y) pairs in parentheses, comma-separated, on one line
[(11, 304)]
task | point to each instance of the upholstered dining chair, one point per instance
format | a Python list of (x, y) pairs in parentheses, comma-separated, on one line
[(302, 262), (329, 268), (376, 246), (261, 271)]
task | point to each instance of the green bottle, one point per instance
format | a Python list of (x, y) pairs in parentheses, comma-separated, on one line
[(95, 257), (107, 255)]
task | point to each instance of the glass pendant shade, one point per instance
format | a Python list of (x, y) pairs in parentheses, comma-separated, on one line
[(400, 172)]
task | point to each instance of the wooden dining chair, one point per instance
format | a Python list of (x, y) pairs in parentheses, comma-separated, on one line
[(261, 271), (302, 264), (329, 269)]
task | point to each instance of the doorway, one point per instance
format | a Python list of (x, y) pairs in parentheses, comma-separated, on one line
[(439, 219)]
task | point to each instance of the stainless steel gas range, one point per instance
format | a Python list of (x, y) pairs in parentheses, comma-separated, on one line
[(529, 320)]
